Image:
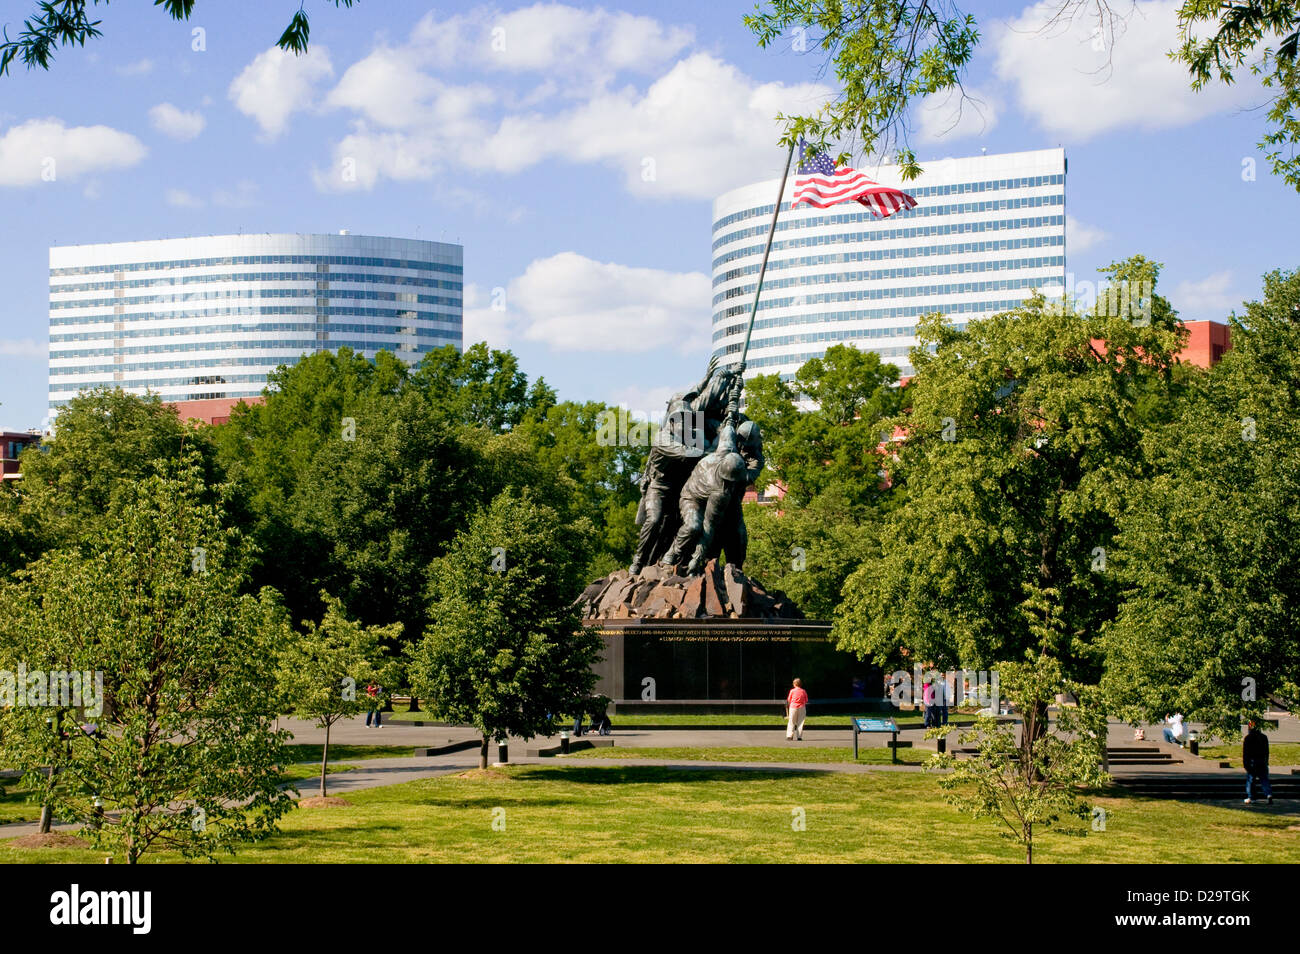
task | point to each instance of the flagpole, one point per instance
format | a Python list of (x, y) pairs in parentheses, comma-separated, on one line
[(762, 270)]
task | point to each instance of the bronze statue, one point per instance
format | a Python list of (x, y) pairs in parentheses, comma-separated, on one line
[(690, 431), (706, 488), (705, 502)]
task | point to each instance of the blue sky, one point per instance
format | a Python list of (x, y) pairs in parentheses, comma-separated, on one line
[(574, 152)]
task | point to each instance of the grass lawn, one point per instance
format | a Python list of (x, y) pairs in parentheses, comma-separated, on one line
[(14, 804), (305, 771), (755, 753), (593, 813), (306, 758), (350, 753), (17, 805), (1279, 753)]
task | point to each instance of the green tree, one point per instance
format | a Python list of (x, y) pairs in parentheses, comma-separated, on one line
[(887, 54), (184, 753), (273, 443), (807, 552), (379, 506), (1209, 548), (59, 23), (106, 441), (835, 443), (20, 542), (323, 673), (481, 386), (603, 476), (1036, 782), (1022, 431), (269, 449), (884, 53), (506, 650), (1236, 31)]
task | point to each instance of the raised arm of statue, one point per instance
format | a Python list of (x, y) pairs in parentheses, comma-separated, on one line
[(708, 375), (733, 401)]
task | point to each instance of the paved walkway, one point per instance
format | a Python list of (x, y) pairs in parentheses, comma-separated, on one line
[(355, 732), (372, 773)]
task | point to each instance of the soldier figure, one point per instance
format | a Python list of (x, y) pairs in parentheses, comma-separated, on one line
[(691, 428), (714, 487), (735, 538), (666, 470)]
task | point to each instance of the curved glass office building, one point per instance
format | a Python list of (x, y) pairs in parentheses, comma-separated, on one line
[(211, 317), (985, 233)]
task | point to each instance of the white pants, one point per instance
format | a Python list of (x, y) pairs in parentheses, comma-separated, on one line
[(794, 728)]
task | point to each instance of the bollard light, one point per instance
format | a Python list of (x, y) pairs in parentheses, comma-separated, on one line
[(503, 752), (564, 741), (1194, 741)]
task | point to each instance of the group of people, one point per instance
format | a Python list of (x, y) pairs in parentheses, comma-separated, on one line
[(598, 708)]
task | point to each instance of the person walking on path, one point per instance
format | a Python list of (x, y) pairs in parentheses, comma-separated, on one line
[(930, 718), (373, 704), (1254, 757), (796, 708)]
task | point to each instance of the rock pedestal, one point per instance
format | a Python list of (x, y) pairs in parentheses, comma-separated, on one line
[(720, 592)]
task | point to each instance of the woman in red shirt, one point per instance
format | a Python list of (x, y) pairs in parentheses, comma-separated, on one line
[(796, 707)]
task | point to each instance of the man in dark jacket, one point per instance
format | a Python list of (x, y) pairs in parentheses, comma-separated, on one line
[(1254, 757)]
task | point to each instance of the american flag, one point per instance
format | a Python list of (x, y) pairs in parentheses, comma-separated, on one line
[(819, 184)]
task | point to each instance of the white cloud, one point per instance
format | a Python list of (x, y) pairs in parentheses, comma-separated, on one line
[(573, 303), (1079, 236), (138, 68), (947, 117), (24, 348), (1209, 297), (364, 157), (481, 321), (241, 196), (182, 199), (552, 38), (276, 84), (175, 122), (42, 150), (389, 88), (1063, 81), (701, 128)]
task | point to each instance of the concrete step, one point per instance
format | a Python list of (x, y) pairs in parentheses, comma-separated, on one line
[(547, 751), (1190, 786), (428, 752), (1139, 755)]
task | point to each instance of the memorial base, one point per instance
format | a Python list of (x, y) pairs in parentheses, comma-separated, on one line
[(723, 666)]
